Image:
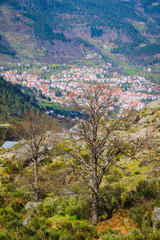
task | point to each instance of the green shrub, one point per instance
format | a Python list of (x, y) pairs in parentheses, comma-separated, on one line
[(17, 207), (40, 223), (130, 199), (80, 236), (66, 236), (136, 214), (135, 234), (112, 237), (7, 215), (157, 235), (4, 235), (54, 235), (35, 238), (158, 225), (14, 225), (146, 189), (74, 207), (2, 201), (86, 229), (64, 226), (46, 210)]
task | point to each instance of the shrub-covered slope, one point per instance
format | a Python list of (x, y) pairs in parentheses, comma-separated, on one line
[(13, 103), (130, 192)]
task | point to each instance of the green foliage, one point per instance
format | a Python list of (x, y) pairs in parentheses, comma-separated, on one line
[(58, 93), (140, 217), (4, 49), (95, 32), (135, 234), (40, 224), (137, 172), (47, 210), (111, 237), (4, 235), (79, 40), (7, 215), (158, 225), (132, 49), (43, 30), (66, 236), (147, 190), (13, 103), (73, 207)]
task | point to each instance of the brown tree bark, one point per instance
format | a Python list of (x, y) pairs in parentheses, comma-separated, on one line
[(99, 139), (36, 187), (39, 131)]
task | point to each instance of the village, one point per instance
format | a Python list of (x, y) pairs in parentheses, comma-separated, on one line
[(129, 92)]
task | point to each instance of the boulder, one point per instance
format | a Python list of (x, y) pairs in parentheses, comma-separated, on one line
[(24, 156), (155, 172), (157, 123), (156, 217), (154, 104), (29, 207), (146, 119)]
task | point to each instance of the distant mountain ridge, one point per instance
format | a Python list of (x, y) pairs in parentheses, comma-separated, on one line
[(60, 31)]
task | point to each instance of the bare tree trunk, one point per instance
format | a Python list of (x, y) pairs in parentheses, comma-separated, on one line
[(94, 208), (36, 188), (95, 199)]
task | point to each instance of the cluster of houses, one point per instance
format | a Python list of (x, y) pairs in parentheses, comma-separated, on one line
[(130, 92)]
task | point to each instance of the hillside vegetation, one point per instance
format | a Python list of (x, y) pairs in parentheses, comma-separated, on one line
[(130, 190), (13, 103), (53, 26)]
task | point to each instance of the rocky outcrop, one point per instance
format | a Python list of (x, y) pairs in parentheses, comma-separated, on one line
[(24, 156), (154, 105), (29, 207), (157, 123), (156, 217)]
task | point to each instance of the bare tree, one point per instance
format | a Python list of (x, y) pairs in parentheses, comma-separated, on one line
[(98, 143), (39, 131)]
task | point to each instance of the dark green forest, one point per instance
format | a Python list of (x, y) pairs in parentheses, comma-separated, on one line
[(13, 103)]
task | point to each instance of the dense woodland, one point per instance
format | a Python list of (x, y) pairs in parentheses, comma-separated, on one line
[(14, 103)]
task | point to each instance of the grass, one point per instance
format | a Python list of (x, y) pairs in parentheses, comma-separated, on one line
[(132, 70), (64, 218)]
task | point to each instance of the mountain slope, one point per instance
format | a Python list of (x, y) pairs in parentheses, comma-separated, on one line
[(54, 31), (13, 103)]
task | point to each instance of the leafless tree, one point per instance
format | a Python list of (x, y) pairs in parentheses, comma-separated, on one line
[(98, 143), (39, 132)]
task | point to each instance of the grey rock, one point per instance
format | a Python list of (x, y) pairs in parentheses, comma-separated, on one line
[(150, 111), (125, 221), (24, 156), (145, 119), (156, 217), (68, 193), (26, 221), (29, 207), (155, 172), (157, 123), (154, 104)]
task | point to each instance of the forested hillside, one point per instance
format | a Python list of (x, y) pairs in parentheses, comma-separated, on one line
[(48, 30), (13, 103)]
